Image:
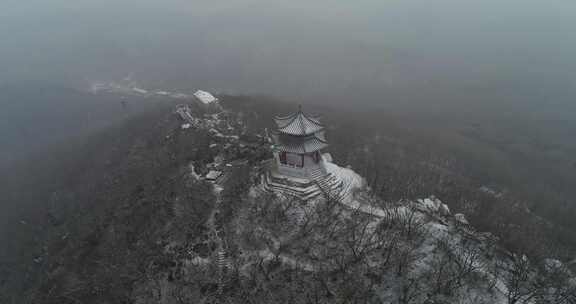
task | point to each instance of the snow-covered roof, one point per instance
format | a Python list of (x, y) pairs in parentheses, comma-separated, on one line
[(205, 97), (213, 175), (314, 142), (461, 218), (298, 124)]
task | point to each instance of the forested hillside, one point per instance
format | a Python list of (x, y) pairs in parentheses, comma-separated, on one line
[(125, 217)]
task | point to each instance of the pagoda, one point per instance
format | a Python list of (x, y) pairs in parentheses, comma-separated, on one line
[(298, 140), (299, 167)]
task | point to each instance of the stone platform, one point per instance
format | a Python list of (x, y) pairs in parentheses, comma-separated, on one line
[(319, 183)]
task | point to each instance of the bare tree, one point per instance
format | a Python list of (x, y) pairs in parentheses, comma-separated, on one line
[(410, 290), (454, 267), (518, 279), (556, 283)]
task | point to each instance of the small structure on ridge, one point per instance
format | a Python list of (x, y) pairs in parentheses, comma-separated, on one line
[(205, 97), (299, 167), (298, 141)]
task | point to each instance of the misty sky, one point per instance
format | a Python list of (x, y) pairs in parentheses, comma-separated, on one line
[(411, 52)]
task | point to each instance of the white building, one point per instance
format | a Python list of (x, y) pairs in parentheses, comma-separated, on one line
[(205, 97), (140, 91)]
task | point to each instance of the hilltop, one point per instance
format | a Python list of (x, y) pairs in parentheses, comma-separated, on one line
[(133, 219)]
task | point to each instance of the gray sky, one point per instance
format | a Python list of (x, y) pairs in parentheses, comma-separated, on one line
[(410, 52)]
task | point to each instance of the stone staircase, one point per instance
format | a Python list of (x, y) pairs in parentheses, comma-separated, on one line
[(330, 186), (317, 173), (224, 268)]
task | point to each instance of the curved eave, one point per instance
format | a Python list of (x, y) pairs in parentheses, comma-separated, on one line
[(302, 149), (284, 118), (308, 145), (291, 132), (298, 124), (293, 115)]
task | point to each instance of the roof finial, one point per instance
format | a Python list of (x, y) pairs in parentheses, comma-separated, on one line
[(300, 108)]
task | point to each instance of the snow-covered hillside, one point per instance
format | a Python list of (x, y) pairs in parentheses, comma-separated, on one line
[(179, 214)]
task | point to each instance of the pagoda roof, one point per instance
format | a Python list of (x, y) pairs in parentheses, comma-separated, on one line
[(306, 144), (298, 124)]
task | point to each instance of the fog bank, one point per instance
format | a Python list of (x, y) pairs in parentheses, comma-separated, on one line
[(416, 54)]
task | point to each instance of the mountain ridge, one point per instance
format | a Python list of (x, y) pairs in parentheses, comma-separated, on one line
[(136, 228)]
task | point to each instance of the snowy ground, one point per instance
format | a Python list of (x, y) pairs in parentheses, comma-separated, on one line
[(431, 216)]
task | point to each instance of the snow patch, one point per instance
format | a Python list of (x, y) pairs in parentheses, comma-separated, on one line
[(433, 205), (213, 175), (349, 178), (193, 173), (461, 218), (205, 97)]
